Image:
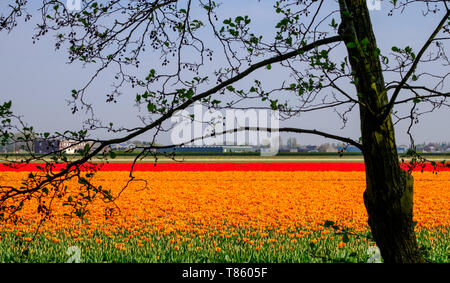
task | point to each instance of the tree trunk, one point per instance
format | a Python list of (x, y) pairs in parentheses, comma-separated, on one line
[(389, 189)]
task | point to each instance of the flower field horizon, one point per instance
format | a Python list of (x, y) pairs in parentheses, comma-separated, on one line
[(308, 213)]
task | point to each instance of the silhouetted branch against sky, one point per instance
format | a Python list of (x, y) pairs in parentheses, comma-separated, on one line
[(125, 63)]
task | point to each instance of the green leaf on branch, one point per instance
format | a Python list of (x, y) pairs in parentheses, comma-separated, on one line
[(86, 148), (230, 88)]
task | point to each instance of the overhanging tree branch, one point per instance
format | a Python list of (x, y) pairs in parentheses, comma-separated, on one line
[(103, 144), (388, 107), (226, 83), (433, 93), (270, 130)]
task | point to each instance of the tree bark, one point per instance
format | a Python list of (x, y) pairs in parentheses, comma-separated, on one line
[(389, 189)]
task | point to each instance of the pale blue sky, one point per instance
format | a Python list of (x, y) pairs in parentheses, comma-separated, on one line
[(38, 80)]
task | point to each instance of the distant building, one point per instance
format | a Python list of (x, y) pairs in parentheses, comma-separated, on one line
[(72, 146), (402, 149), (311, 148), (192, 149), (350, 148), (42, 146), (327, 148), (123, 146), (237, 148), (291, 143), (302, 149), (9, 147), (209, 149)]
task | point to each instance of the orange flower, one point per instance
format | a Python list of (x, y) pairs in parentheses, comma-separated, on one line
[(119, 246), (195, 205)]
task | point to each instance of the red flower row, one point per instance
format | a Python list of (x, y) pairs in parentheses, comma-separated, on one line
[(188, 166)]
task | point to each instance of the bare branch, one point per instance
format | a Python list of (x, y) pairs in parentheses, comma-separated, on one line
[(387, 108)]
